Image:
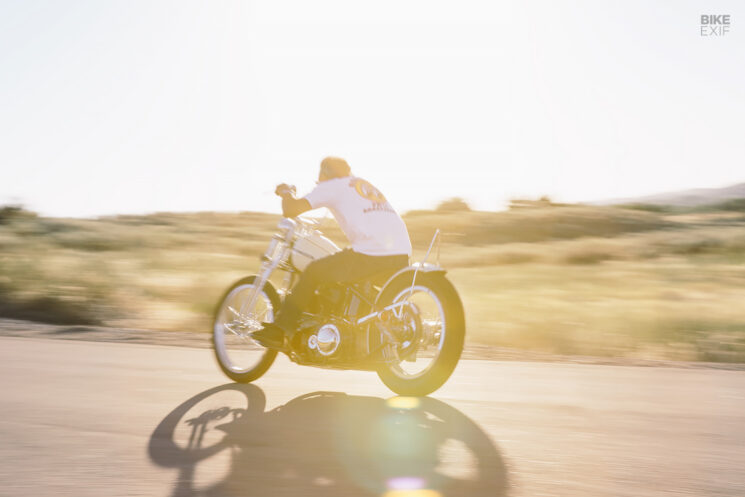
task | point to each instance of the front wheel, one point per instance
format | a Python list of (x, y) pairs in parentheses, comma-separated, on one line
[(239, 313), (431, 333)]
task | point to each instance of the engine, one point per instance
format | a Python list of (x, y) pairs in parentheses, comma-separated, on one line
[(326, 336), (328, 342)]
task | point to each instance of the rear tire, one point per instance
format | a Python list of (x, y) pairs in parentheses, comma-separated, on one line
[(449, 344), (255, 359)]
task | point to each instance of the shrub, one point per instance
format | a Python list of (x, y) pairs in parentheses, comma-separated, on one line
[(86, 241), (8, 213), (589, 256), (45, 309), (455, 204), (737, 205), (661, 209), (694, 246)]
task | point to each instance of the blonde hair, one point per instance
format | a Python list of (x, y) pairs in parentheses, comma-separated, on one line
[(335, 167)]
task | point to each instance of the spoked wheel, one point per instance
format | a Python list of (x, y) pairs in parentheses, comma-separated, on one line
[(240, 357), (430, 330)]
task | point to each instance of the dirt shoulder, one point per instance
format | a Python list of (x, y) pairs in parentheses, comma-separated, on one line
[(29, 329)]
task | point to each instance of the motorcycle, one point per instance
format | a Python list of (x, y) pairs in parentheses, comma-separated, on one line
[(408, 327)]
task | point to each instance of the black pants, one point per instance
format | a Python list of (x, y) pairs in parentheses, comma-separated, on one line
[(342, 267)]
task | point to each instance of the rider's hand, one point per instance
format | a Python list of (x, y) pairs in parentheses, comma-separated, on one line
[(285, 190)]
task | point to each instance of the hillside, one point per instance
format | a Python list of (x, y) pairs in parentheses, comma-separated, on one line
[(572, 279), (685, 198)]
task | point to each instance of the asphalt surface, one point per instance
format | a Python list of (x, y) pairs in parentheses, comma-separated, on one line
[(91, 419)]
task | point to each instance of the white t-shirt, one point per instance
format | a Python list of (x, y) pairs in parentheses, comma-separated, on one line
[(363, 213)]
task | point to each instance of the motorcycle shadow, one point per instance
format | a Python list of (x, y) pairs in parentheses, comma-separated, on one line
[(221, 442)]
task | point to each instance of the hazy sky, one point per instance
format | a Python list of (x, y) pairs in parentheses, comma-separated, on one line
[(140, 106)]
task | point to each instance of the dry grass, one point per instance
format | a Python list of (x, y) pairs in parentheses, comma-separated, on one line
[(662, 309), (579, 280)]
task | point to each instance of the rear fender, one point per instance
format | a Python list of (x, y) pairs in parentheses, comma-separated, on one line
[(408, 273)]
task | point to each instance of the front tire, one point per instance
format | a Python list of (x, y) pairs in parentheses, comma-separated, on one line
[(440, 342), (240, 357)]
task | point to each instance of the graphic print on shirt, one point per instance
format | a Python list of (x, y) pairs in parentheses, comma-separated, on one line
[(366, 190)]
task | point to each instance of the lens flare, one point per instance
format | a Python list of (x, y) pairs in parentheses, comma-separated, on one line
[(422, 492), (406, 483), (403, 402)]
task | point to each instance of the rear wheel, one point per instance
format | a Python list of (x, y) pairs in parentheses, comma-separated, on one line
[(430, 332), (240, 357)]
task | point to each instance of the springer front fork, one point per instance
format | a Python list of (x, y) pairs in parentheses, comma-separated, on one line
[(271, 260)]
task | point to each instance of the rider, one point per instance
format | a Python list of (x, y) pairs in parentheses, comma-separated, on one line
[(380, 241)]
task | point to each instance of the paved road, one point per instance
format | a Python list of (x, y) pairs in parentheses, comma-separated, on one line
[(93, 419)]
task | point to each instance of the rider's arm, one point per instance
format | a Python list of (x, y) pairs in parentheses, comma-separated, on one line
[(291, 206)]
